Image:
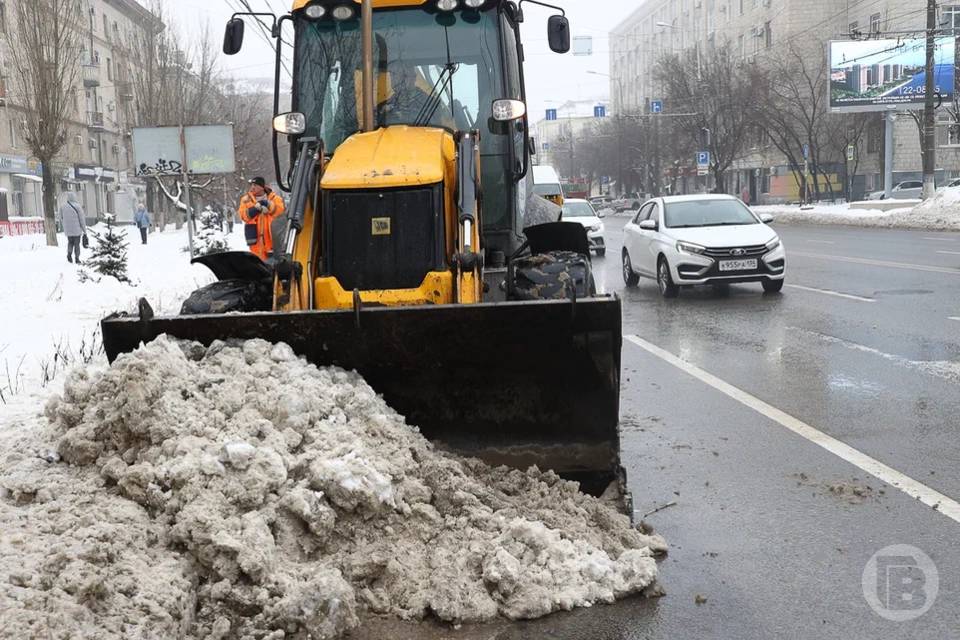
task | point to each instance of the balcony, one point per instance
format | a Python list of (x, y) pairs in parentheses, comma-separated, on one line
[(95, 120), (91, 75)]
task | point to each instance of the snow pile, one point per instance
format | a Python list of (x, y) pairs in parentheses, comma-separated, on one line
[(238, 491), (940, 213)]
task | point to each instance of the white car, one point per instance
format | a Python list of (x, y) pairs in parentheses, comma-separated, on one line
[(908, 190), (701, 239), (576, 210)]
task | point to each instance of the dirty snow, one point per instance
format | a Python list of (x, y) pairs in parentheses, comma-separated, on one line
[(238, 492), (940, 213)]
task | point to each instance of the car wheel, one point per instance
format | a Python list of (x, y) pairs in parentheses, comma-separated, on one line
[(772, 286), (629, 277), (667, 288), (601, 253)]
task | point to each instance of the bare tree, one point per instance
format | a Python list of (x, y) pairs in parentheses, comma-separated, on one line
[(715, 95), (45, 50)]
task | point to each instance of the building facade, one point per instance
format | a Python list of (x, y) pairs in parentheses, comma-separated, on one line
[(557, 137), (756, 30), (97, 159)]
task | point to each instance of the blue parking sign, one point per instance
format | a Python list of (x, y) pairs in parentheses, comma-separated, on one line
[(703, 158), (656, 106), (599, 111), (551, 114)]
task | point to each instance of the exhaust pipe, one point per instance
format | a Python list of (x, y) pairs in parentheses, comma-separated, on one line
[(366, 30)]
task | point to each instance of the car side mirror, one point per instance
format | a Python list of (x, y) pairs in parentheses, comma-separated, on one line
[(558, 34), (648, 225), (601, 214), (766, 218), (233, 36), (533, 145)]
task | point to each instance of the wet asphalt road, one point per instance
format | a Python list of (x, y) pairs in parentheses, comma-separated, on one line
[(756, 530)]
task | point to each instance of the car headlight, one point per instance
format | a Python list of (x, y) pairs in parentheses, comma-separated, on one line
[(689, 247), (595, 228), (773, 244)]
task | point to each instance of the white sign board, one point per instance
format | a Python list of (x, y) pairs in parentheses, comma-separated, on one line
[(583, 45), (209, 150)]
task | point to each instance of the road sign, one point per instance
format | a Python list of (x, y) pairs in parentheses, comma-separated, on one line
[(656, 106), (806, 151), (599, 111), (545, 146), (851, 151), (583, 45), (703, 171), (703, 159), (551, 114), (604, 180)]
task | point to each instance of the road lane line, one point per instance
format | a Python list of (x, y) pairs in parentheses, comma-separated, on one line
[(954, 318), (821, 241), (878, 263), (941, 239), (913, 488), (950, 253), (827, 292)]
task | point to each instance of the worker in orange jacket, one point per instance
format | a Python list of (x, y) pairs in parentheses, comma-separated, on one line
[(258, 208)]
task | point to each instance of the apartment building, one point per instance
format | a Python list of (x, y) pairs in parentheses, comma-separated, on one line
[(756, 30), (557, 138), (97, 159)]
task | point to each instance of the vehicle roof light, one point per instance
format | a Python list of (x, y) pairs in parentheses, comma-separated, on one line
[(342, 12), (315, 11), (447, 5)]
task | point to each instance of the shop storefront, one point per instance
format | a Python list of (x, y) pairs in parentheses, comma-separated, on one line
[(21, 187)]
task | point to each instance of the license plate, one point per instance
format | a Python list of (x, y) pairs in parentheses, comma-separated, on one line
[(737, 265)]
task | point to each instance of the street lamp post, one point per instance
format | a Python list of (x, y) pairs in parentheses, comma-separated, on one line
[(619, 125)]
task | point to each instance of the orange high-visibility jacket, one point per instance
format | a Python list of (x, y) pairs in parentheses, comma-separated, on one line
[(264, 245)]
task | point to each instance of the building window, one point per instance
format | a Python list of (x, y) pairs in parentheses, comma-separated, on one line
[(853, 28), (740, 46), (768, 35), (874, 136), (875, 23), (109, 70), (951, 17), (13, 134), (3, 17)]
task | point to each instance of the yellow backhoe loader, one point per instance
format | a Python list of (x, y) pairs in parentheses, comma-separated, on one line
[(410, 256)]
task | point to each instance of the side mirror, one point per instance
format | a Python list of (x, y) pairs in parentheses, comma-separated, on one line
[(648, 225), (601, 214), (293, 123), (532, 145), (558, 34), (766, 218), (233, 36), (508, 110)]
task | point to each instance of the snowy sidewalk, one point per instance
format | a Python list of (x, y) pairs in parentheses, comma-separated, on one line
[(941, 213), (48, 310)]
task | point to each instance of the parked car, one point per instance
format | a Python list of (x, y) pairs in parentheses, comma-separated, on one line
[(953, 183), (701, 239), (576, 210), (628, 202), (601, 202), (906, 190)]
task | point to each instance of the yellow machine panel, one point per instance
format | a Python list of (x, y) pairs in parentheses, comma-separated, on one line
[(437, 288), (377, 4), (398, 156)]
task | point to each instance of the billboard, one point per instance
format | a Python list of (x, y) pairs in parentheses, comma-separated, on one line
[(876, 75), (157, 151)]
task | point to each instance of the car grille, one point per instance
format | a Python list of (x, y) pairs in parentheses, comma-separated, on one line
[(753, 251)]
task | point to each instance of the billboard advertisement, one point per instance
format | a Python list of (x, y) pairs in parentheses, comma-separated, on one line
[(875, 75), (157, 150)]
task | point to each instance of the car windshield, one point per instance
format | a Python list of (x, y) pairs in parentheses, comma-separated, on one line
[(578, 210), (706, 213), (547, 189)]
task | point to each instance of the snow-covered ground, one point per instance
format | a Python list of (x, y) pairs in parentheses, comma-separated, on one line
[(940, 213), (47, 309)]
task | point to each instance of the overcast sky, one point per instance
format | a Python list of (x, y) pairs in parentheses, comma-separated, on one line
[(551, 78)]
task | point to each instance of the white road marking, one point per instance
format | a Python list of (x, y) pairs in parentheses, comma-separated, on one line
[(941, 239), (827, 292), (913, 488), (954, 318), (950, 253), (879, 263), (821, 241)]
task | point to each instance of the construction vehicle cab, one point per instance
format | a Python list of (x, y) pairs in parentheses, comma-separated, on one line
[(406, 256)]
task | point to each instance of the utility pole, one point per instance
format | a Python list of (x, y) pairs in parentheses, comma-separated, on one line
[(929, 118)]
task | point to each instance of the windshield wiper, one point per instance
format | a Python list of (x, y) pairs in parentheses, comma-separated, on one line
[(436, 94)]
